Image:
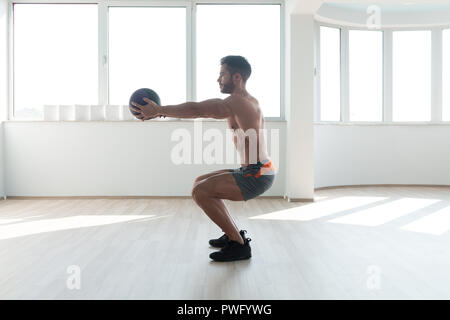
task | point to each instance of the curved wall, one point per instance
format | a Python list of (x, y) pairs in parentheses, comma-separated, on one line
[(381, 154)]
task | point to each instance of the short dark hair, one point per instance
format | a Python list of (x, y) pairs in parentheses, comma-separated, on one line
[(237, 64)]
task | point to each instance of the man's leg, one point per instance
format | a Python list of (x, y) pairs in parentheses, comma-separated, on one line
[(208, 194), (205, 176)]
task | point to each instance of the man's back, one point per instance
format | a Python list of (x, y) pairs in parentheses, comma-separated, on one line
[(247, 123)]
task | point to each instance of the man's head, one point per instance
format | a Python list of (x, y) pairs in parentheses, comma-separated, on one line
[(234, 72)]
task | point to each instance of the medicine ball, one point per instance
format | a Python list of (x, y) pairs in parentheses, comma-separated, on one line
[(138, 96)]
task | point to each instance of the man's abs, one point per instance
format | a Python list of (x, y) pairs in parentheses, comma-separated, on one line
[(250, 144)]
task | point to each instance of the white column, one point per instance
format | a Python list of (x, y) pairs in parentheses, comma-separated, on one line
[(300, 108)]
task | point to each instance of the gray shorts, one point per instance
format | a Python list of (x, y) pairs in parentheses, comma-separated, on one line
[(254, 179)]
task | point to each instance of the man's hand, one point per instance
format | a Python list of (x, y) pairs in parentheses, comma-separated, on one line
[(149, 111)]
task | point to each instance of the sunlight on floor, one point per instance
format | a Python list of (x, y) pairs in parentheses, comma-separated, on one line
[(48, 225), (6, 221), (384, 213), (436, 223), (318, 210)]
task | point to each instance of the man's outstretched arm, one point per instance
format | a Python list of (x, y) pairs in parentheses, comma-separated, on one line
[(212, 108)]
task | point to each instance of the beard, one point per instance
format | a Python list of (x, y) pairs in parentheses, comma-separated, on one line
[(227, 87)]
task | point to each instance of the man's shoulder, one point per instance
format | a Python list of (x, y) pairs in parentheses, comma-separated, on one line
[(245, 111), (239, 101)]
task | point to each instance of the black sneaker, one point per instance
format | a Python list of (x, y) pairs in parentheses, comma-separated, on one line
[(233, 251), (223, 240)]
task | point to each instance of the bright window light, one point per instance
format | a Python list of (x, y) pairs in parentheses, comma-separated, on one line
[(366, 75), (220, 33), (330, 74), (446, 75), (411, 76), (147, 49), (55, 56)]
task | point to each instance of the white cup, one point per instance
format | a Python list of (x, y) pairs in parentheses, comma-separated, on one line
[(82, 112), (97, 113), (51, 113), (66, 113), (126, 113), (113, 113)]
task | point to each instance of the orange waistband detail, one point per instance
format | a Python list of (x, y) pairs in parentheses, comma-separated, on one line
[(267, 167)]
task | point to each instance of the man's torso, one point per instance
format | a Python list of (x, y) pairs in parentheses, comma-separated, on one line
[(247, 123)]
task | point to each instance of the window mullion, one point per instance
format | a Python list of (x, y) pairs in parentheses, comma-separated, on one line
[(436, 75), (387, 76), (103, 59), (191, 52), (10, 40), (317, 108), (344, 76)]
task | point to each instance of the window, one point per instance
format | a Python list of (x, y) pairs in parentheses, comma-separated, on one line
[(411, 76), (446, 75), (259, 42), (147, 49), (366, 75), (86, 54), (330, 73), (55, 56)]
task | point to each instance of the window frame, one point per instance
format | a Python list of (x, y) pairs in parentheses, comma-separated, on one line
[(103, 54), (387, 34)]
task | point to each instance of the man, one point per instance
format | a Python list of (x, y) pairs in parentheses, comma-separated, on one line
[(256, 173)]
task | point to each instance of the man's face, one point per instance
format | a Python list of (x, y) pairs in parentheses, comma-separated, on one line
[(225, 80)]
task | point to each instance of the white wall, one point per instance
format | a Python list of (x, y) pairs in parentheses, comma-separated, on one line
[(109, 158), (120, 159), (388, 154)]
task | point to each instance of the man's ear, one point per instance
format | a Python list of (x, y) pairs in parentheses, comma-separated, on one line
[(237, 76)]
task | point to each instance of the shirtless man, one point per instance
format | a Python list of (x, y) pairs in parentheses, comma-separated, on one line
[(256, 174)]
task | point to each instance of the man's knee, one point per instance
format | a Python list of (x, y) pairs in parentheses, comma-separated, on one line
[(198, 192), (197, 180)]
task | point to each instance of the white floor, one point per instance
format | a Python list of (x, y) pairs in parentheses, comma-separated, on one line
[(352, 243)]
